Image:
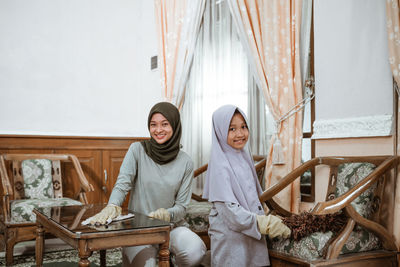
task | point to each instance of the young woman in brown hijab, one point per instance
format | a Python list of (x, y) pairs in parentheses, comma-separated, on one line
[(159, 175)]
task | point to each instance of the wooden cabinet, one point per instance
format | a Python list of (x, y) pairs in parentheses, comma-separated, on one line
[(100, 158), (91, 165), (112, 160)]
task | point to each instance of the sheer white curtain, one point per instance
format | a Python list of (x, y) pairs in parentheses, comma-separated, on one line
[(178, 24), (260, 119), (218, 76), (190, 31)]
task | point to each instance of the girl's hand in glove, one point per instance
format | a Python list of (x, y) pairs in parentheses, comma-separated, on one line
[(107, 213), (272, 226), (161, 214)]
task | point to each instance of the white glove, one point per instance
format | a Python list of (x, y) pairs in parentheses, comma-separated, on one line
[(161, 214), (272, 226), (107, 213)]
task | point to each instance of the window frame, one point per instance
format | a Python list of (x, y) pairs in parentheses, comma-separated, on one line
[(307, 192)]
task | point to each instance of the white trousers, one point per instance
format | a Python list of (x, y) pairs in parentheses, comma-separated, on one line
[(187, 248)]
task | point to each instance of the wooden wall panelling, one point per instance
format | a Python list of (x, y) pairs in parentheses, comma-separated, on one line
[(11, 142), (91, 165), (95, 154), (112, 160)]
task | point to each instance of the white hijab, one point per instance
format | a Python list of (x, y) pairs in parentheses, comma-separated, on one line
[(230, 171)]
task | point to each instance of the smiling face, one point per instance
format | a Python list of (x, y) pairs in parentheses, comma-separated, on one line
[(160, 128), (238, 133)]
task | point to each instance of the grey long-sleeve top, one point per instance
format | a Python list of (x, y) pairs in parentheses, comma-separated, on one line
[(152, 185), (235, 238)]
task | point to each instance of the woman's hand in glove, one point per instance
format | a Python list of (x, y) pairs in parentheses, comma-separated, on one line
[(161, 214), (107, 213), (272, 226)]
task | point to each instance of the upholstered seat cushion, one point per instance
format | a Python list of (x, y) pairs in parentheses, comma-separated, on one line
[(197, 215), (22, 209), (312, 247)]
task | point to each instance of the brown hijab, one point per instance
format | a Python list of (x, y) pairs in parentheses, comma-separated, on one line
[(166, 152)]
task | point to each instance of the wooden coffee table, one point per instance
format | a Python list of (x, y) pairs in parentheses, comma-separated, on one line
[(65, 223)]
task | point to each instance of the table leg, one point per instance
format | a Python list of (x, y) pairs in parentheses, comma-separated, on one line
[(83, 260), (163, 254), (102, 258), (84, 254), (39, 245)]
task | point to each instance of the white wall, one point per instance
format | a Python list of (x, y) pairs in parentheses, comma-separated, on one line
[(353, 76), (83, 67), (77, 67)]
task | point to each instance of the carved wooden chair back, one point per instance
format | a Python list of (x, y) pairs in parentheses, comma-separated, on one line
[(17, 177)]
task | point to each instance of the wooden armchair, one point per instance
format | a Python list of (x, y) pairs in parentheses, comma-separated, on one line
[(36, 182), (199, 208), (360, 188)]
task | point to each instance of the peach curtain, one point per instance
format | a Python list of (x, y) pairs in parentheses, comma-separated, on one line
[(270, 32), (393, 30), (169, 18), (178, 24)]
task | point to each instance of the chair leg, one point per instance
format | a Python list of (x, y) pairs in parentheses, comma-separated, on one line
[(103, 257), (9, 254), (2, 242), (10, 238), (2, 235)]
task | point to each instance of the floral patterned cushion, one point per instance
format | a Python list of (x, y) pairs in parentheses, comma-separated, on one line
[(312, 247), (197, 215), (22, 209), (349, 175), (37, 178)]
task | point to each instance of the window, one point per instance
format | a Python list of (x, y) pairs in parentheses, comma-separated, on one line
[(218, 76), (307, 181)]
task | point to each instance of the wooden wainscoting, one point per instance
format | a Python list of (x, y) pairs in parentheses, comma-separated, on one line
[(100, 157)]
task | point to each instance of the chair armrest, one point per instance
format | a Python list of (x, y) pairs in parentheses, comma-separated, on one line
[(288, 179), (386, 238), (86, 186), (267, 195), (5, 181), (197, 172), (260, 164), (200, 170), (258, 158), (198, 198), (344, 200)]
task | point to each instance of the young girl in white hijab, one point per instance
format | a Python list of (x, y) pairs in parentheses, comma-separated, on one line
[(237, 219)]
